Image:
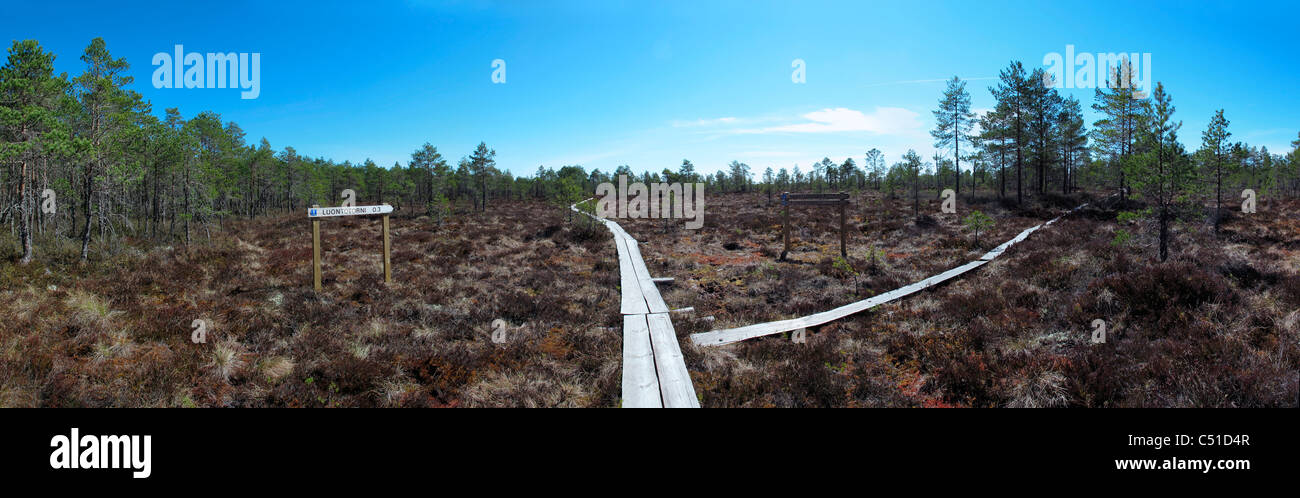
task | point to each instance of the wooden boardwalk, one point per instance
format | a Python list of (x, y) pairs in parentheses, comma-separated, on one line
[(654, 371), (728, 336)]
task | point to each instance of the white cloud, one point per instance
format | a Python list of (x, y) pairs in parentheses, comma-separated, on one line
[(883, 121), (704, 122)]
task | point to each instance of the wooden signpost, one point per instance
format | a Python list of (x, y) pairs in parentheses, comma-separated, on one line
[(787, 199), (317, 212)]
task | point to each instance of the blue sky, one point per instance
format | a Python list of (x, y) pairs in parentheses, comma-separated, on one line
[(647, 84)]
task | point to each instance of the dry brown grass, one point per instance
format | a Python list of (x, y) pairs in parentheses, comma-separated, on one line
[(1217, 325), (1207, 328), (117, 332)]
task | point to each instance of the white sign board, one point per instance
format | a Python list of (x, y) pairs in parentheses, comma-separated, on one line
[(348, 211)]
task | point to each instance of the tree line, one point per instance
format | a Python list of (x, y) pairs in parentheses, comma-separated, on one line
[(117, 170)]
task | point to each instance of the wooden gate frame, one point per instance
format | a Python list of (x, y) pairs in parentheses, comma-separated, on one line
[(315, 252), (787, 199)]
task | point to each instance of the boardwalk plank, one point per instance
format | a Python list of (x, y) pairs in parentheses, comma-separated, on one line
[(648, 289), (674, 381), (640, 380), (728, 336), (633, 301), (654, 371)]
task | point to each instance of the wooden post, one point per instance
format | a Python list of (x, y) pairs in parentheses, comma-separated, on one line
[(843, 234), (315, 251), (785, 223), (388, 267)]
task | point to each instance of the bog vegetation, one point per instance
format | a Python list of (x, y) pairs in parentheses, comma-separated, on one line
[(125, 224)]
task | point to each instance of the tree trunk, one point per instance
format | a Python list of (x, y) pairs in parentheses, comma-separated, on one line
[(1218, 193), (956, 153), (1002, 171), (188, 214), (916, 195), (85, 208), (1164, 234), (24, 215), (1020, 176)]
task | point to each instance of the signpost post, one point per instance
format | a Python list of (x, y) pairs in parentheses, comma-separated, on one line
[(317, 212), (315, 250), (388, 267)]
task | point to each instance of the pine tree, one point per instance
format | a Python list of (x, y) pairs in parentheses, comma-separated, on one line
[(1012, 105), (482, 164), (953, 122), (429, 166), (875, 166), (1073, 141), (687, 172), (1044, 104), (1160, 170), (739, 175), (994, 135), (912, 164), (1292, 162), (768, 179), (30, 132), (1123, 109), (108, 111), (1214, 145)]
